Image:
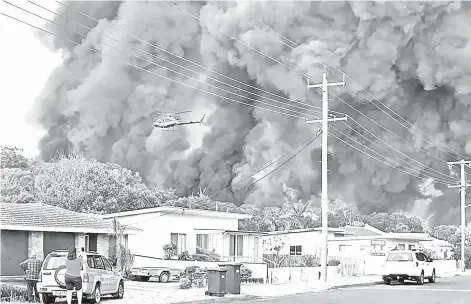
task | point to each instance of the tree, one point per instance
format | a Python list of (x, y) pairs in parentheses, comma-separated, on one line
[(445, 232), (394, 222), (16, 186), (13, 158), (86, 185)]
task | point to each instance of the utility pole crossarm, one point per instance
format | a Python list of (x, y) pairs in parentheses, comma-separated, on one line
[(459, 186), (329, 120), (459, 162)]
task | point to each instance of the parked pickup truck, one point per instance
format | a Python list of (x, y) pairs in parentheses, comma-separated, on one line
[(163, 274)]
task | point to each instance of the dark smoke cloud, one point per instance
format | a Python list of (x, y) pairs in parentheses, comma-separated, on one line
[(414, 56)]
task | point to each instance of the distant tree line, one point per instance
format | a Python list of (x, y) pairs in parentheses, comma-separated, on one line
[(86, 185)]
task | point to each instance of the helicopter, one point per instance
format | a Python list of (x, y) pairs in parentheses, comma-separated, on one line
[(170, 121)]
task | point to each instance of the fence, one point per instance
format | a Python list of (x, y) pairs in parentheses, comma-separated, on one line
[(299, 274), (444, 267)]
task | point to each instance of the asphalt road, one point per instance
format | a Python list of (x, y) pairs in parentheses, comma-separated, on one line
[(455, 290)]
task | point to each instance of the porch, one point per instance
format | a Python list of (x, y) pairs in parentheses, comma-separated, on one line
[(231, 245)]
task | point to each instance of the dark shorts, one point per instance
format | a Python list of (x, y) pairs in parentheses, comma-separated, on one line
[(71, 282)]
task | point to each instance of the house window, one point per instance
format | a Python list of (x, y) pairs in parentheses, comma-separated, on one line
[(91, 242), (179, 239), (411, 247), (401, 246), (202, 243), (236, 245), (295, 250)]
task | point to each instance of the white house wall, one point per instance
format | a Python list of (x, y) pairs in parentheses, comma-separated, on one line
[(309, 240), (157, 227)]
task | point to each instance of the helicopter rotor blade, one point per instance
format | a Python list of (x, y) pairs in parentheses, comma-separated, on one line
[(181, 112)]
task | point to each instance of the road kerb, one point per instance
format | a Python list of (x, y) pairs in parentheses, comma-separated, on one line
[(340, 286)]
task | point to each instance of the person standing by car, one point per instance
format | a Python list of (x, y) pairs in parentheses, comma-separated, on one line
[(73, 278), (32, 268)]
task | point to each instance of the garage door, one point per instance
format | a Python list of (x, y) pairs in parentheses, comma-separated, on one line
[(14, 251), (57, 240)]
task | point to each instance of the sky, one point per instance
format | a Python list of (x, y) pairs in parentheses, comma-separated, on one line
[(25, 66)]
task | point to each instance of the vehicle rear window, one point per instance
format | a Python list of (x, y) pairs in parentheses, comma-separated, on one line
[(54, 261), (399, 257)]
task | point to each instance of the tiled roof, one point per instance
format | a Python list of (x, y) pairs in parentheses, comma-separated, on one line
[(40, 216), (360, 231)]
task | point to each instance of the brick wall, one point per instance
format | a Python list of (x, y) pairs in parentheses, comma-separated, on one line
[(103, 244), (35, 243)]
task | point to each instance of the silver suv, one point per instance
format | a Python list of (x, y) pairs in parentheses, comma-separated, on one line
[(99, 277)]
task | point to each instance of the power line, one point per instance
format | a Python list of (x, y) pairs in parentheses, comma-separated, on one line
[(249, 176), (187, 60), (402, 170), (353, 81), (294, 155), (444, 176), (159, 65), (173, 63), (241, 42), (162, 76), (384, 128), (268, 165)]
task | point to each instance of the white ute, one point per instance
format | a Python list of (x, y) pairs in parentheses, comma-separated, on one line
[(412, 265)]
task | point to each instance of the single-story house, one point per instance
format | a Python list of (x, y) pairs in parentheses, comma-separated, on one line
[(297, 241), (372, 245), (363, 242), (191, 230), (367, 245), (441, 248), (38, 228)]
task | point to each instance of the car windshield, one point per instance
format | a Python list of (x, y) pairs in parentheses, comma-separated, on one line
[(399, 257), (54, 261)]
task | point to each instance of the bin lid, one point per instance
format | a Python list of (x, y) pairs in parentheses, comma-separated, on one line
[(221, 269), (230, 264)]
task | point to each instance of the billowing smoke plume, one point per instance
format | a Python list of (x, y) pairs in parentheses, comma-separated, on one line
[(413, 56)]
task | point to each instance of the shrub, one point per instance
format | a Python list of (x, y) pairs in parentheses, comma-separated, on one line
[(12, 293), (169, 250), (184, 256), (333, 262), (193, 277), (245, 273), (310, 260)]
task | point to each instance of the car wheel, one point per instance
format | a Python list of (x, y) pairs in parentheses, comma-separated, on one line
[(387, 281), (96, 295), (47, 299), (120, 293), (144, 278), (421, 279), (401, 281), (433, 278), (164, 277)]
